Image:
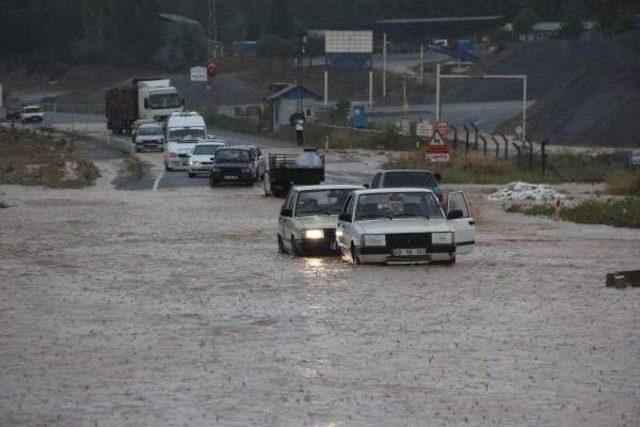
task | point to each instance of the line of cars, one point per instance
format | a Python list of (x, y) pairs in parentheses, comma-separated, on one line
[(401, 219), (26, 115), (187, 146)]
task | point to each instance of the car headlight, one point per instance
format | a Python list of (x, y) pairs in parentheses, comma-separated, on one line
[(441, 238), (339, 233), (314, 234), (374, 240), (193, 163), (246, 170)]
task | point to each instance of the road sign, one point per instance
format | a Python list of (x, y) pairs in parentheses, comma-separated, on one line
[(404, 127), (442, 128), (437, 149), (199, 74), (437, 158), (424, 130)]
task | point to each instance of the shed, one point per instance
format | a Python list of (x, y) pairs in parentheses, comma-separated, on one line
[(292, 99)]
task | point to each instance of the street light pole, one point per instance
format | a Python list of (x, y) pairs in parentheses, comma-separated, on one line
[(438, 92), (384, 65)]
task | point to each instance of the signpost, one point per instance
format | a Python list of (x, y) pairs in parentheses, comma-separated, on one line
[(424, 130), (404, 127), (442, 128), (437, 149), (199, 74)]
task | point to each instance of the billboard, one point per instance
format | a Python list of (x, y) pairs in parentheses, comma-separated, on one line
[(349, 50), (348, 42)]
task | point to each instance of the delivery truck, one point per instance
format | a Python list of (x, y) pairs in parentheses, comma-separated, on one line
[(144, 98)]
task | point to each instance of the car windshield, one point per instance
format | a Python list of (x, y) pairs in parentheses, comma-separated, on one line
[(321, 202), (186, 135), (160, 101), (150, 130), (32, 110), (205, 149), (409, 179), (232, 156), (398, 205)]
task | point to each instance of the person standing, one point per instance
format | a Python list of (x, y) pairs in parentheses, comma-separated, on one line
[(299, 126)]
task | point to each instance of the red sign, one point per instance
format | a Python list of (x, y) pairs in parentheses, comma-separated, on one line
[(213, 68), (437, 145), (442, 128)]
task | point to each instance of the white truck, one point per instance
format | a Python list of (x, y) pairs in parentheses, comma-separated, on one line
[(183, 131), (146, 99)]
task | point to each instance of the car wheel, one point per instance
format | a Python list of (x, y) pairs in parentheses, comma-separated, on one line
[(354, 255), (294, 247), (450, 261), (213, 182), (281, 247), (191, 175)]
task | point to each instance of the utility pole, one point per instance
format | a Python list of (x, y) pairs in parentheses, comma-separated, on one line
[(437, 92), (421, 64), (384, 65), (212, 26)]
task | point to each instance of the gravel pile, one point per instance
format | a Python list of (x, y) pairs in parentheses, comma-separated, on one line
[(588, 92), (525, 192)]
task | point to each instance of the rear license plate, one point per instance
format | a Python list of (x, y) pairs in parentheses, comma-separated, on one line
[(231, 177), (410, 252)]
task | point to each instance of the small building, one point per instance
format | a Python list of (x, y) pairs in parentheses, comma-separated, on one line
[(292, 99), (545, 30)]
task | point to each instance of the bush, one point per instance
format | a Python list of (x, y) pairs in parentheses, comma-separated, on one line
[(618, 213), (624, 182)]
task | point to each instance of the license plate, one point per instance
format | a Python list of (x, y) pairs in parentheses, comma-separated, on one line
[(410, 252), (231, 178)]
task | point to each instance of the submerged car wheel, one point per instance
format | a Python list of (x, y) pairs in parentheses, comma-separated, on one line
[(354, 255), (281, 247), (294, 247), (450, 261), (192, 175)]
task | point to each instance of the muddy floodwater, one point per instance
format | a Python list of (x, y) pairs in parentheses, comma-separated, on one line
[(173, 307)]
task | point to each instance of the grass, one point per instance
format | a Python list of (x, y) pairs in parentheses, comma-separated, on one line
[(478, 169), (29, 158), (624, 182), (134, 166), (618, 213)]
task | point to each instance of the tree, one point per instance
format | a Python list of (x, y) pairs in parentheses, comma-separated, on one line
[(524, 21), (572, 15)]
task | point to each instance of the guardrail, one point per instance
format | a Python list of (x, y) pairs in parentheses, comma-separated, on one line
[(55, 107)]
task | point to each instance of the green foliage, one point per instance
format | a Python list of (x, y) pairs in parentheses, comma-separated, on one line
[(573, 14), (340, 112), (616, 212), (624, 182), (525, 19)]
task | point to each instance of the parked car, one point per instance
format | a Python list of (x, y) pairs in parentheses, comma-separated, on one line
[(240, 163), (149, 136), (201, 159), (309, 216), (404, 226), (408, 179), (32, 114)]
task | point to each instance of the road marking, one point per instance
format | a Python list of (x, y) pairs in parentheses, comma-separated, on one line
[(157, 181)]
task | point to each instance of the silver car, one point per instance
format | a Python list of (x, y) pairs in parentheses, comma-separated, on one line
[(201, 159)]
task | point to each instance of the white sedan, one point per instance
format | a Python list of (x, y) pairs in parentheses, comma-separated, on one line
[(404, 226), (309, 216), (201, 160)]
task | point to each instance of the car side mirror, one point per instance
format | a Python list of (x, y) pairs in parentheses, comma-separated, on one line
[(286, 212), (146, 103), (345, 217), (437, 176), (366, 185), (455, 214)]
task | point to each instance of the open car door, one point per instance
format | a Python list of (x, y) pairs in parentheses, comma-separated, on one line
[(461, 221)]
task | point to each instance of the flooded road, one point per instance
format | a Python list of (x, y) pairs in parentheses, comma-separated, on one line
[(173, 307)]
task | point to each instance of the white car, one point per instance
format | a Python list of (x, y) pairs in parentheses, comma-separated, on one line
[(404, 226), (201, 159), (149, 136), (32, 114), (309, 216)]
